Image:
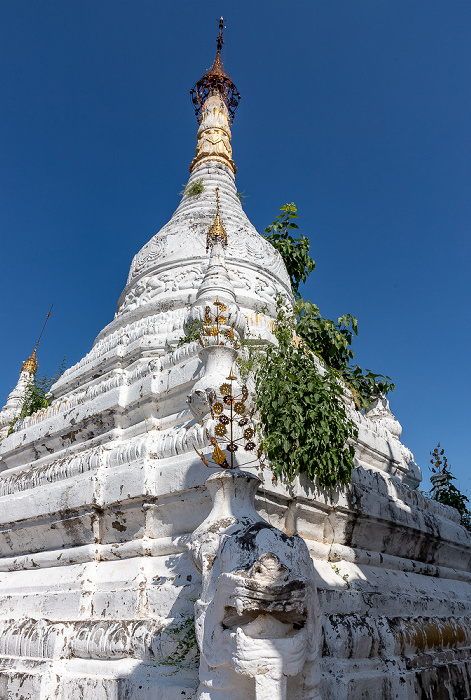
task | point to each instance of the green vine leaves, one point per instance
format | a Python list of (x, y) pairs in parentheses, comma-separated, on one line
[(186, 653), (444, 491), (294, 251), (329, 340), (302, 411), (301, 414)]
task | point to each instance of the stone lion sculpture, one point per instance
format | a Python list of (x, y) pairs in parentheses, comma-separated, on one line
[(257, 621)]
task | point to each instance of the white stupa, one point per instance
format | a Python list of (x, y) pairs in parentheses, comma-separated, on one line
[(100, 492)]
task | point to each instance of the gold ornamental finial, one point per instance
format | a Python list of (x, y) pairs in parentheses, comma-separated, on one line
[(216, 68), (217, 232), (31, 364), (216, 80), (215, 98)]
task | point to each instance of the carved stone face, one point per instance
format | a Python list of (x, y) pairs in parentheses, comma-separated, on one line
[(262, 605), (257, 620)]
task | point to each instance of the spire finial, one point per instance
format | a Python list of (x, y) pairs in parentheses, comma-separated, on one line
[(31, 364), (220, 40), (217, 232), (216, 80)]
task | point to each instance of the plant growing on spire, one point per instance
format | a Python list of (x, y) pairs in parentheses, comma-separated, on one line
[(193, 189)]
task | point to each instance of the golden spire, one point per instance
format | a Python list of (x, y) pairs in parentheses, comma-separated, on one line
[(217, 232), (31, 364), (215, 98), (216, 80), (216, 68)]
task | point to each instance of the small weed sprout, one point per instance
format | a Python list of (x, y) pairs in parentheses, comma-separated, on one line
[(366, 598), (444, 491), (344, 577), (193, 189), (186, 654)]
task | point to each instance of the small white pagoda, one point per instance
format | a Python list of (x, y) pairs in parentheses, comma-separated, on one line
[(109, 534)]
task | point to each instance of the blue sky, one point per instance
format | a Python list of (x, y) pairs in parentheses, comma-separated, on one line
[(358, 111)]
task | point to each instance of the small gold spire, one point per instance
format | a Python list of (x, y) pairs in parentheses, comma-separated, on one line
[(217, 232), (216, 80), (216, 68), (31, 364), (231, 376)]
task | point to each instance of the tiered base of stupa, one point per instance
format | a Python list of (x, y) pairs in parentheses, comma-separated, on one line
[(96, 587)]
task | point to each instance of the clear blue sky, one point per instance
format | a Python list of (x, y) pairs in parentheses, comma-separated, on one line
[(358, 111)]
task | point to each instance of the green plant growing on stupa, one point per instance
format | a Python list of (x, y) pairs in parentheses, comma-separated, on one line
[(443, 490), (329, 340), (294, 251), (301, 413), (302, 410), (193, 332), (193, 189), (37, 394)]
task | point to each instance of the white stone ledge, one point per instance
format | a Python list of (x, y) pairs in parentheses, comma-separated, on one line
[(338, 553), (143, 547)]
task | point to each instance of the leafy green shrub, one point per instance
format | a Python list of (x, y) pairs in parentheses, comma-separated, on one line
[(328, 340), (301, 407), (302, 412), (294, 251), (37, 394), (444, 491)]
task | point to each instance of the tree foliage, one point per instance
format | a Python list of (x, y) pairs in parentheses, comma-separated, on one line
[(300, 402), (329, 340), (294, 251), (444, 491), (302, 412), (37, 393)]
